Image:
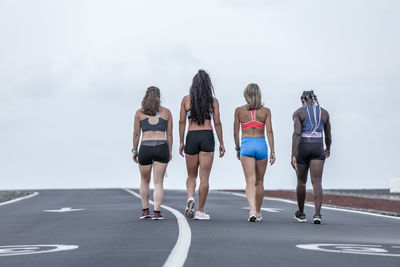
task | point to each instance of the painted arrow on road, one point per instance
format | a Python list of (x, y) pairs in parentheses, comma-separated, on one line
[(273, 210), (67, 209)]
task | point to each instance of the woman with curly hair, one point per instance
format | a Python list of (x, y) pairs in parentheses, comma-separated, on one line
[(199, 107), (154, 122)]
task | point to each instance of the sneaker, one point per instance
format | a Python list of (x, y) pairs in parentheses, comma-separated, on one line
[(201, 215), (317, 219), (145, 214), (157, 216), (259, 217), (300, 217), (189, 211), (252, 217)]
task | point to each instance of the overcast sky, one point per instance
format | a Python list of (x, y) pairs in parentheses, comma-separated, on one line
[(72, 74)]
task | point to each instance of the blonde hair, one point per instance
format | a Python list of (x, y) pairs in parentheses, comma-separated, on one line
[(252, 94)]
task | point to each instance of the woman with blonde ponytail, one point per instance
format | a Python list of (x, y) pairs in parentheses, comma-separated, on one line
[(154, 123)]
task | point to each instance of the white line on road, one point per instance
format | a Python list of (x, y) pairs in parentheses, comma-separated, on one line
[(19, 199), (179, 253), (33, 249), (323, 207), (66, 209)]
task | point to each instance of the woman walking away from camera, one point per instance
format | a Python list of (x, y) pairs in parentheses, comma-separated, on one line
[(155, 123), (310, 121), (199, 107), (254, 118)]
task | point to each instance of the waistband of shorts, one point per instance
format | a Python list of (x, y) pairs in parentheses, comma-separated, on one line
[(308, 140), (201, 131), (253, 138), (153, 142)]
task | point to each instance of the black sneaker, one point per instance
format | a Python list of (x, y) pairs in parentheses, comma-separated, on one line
[(317, 219), (300, 217)]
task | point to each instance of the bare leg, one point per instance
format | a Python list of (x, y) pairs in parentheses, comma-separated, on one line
[(302, 171), (145, 174), (192, 165), (206, 160), (249, 169), (316, 170), (261, 167), (158, 179)]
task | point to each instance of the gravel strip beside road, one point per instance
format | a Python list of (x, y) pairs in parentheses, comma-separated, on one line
[(9, 195)]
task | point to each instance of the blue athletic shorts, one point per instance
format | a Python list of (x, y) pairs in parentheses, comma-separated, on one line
[(254, 147)]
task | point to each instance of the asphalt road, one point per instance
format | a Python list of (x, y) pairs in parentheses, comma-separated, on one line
[(102, 228)]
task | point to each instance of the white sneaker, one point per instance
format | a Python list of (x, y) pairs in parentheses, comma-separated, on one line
[(252, 217), (201, 216), (189, 210)]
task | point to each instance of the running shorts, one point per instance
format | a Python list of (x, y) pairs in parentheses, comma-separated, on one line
[(254, 147), (199, 140), (149, 153), (308, 151)]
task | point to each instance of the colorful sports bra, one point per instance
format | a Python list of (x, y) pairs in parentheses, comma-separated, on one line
[(253, 123)]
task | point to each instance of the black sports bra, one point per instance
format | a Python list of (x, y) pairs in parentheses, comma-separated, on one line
[(161, 126)]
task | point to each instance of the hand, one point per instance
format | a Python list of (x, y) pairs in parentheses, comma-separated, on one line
[(238, 155), (135, 157), (294, 163), (272, 158), (182, 149), (170, 157), (221, 151), (327, 153)]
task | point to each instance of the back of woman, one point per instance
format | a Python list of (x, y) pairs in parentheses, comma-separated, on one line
[(253, 119), (199, 108)]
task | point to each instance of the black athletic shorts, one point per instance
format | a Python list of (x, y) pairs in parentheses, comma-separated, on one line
[(200, 140), (149, 154), (308, 151)]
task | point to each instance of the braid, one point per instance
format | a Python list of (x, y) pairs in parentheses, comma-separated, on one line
[(310, 97)]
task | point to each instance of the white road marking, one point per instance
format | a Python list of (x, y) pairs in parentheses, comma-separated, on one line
[(179, 253), (67, 209), (19, 199), (360, 249), (273, 210), (323, 207), (33, 249)]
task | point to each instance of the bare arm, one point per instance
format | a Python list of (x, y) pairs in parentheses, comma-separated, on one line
[(169, 134), (236, 130), (136, 135), (218, 128), (328, 136), (182, 126), (296, 137), (270, 135)]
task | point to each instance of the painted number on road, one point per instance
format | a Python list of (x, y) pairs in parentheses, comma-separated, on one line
[(361, 249), (33, 249)]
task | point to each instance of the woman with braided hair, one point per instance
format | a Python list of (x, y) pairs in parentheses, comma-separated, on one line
[(310, 122), (200, 106)]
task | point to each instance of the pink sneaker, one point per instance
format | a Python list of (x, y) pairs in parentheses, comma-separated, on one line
[(259, 217), (201, 215), (145, 214), (157, 216)]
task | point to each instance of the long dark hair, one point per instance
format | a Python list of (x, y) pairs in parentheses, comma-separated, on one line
[(201, 97), (151, 101)]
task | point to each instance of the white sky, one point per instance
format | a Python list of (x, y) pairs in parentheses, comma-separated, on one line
[(72, 74)]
